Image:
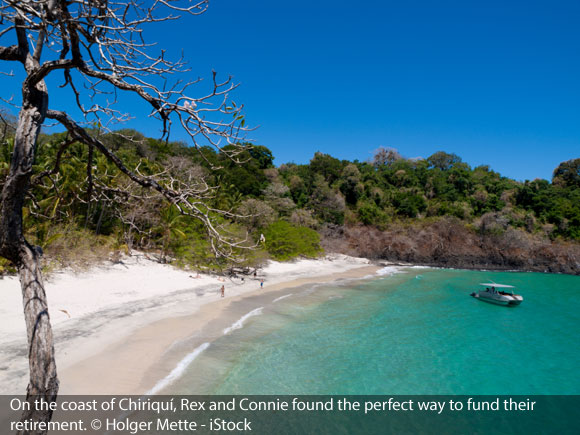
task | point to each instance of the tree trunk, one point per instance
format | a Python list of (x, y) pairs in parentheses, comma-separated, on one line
[(100, 221), (43, 382), (89, 184)]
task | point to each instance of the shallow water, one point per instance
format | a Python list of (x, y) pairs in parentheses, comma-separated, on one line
[(414, 332)]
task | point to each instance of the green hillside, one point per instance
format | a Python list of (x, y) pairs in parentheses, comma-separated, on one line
[(299, 209)]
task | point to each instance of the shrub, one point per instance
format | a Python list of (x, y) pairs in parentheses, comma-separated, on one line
[(408, 204), (370, 214), (285, 241)]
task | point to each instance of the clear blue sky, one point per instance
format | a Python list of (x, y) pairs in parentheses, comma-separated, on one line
[(497, 82)]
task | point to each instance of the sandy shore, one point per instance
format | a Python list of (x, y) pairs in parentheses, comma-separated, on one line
[(120, 329)]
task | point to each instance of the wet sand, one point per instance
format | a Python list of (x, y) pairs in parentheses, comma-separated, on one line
[(135, 364), (120, 328)]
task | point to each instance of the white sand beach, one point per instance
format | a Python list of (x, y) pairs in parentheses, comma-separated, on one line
[(114, 324)]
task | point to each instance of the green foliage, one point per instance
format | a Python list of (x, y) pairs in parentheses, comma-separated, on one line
[(262, 156), (567, 174), (443, 161), (552, 204), (68, 245), (350, 184), (247, 179), (170, 230), (326, 166), (285, 241), (408, 204), (325, 193), (193, 249), (328, 204), (441, 185), (370, 214), (6, 268)]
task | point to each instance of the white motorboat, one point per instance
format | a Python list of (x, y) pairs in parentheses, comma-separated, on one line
[(500, 294)]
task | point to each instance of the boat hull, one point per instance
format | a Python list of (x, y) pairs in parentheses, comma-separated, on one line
[(491, 301), (508, 301)]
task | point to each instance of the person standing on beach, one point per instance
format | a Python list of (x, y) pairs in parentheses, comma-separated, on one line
[(223, 290), (261, 283)]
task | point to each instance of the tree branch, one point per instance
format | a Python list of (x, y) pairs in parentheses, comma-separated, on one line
[(189, 202), (80, 134), (11, 53), (56, 168)]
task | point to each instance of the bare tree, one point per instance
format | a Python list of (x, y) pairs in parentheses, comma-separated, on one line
[(99, 47), (260, 214), (385, 156)]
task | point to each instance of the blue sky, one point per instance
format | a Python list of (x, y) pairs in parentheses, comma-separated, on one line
[(496, 82)]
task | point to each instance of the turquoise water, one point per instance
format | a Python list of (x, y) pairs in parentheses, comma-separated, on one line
[(415, 332)]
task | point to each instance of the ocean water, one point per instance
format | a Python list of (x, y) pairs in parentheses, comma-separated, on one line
[(416, 331)]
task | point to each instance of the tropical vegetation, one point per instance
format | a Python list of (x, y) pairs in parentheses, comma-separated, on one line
[(285, 211)]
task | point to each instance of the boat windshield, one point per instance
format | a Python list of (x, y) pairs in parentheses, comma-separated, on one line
[(496, 286)]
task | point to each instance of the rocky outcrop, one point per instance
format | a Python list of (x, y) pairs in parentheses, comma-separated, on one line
[(450, 243)]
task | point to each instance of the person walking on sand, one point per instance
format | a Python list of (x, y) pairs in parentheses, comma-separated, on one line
[(261, 283), (223, 290)]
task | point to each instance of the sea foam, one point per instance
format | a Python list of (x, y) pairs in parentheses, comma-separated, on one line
[(238, 324), (178, 370), (283, 297), (389, 270)]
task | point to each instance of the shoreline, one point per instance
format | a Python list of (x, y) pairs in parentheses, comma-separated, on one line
[(114, 326), (123, 328), (152, 353)]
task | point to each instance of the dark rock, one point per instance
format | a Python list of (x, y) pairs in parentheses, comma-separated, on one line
[(448, 242)]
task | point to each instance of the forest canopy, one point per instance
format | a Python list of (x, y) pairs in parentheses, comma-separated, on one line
[(289, 206)]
